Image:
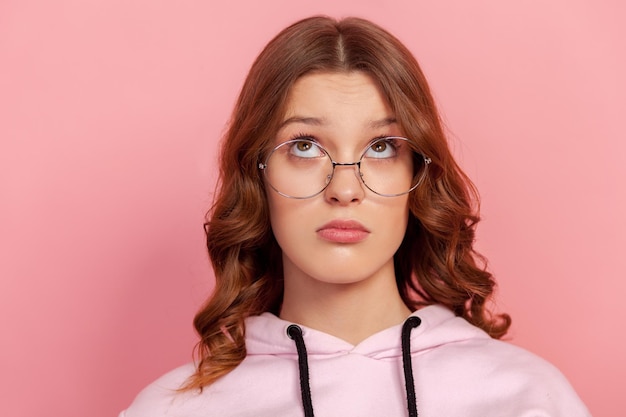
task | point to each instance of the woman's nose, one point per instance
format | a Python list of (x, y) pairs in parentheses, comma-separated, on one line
[(345, 186)]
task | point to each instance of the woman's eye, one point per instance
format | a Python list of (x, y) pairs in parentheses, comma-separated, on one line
[(305, 149), (384, 148)]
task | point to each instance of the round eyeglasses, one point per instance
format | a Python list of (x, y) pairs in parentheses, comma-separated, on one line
[(301, 168)]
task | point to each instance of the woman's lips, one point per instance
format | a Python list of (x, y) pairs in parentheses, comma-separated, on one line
[(343, 231)]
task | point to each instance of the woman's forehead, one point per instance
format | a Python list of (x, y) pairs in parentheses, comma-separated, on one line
[(327, 99)]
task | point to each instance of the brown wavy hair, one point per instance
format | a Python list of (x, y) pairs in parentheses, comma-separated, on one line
[(436, 262)]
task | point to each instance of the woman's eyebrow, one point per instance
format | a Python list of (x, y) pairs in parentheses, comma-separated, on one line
[(376, 124), (318, 121), (314, 121)]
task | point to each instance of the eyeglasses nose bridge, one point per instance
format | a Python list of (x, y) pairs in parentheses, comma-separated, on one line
[(345, 164)]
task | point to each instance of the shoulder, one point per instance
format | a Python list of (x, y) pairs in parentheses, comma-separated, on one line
[(535, 382), (161, 398), (448, 339), (508, 377), (485, 373), (511, 362)]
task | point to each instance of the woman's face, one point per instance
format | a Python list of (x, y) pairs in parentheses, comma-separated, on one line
[(347, 233)]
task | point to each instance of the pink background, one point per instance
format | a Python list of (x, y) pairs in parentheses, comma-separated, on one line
[(110, 111)]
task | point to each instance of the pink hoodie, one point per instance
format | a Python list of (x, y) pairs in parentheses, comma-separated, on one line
[(457, 369)]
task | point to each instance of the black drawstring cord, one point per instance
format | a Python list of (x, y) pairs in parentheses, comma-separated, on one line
[(411, 323), (295, 333)]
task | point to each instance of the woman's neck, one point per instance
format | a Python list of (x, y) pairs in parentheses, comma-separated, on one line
[(349, 311)]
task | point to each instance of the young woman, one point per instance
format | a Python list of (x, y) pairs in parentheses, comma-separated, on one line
[(341, 239)]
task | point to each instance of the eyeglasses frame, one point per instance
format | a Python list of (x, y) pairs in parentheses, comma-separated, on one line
[(427, 161)]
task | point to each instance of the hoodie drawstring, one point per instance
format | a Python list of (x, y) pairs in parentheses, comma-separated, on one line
[(410, 323), (295, 333)]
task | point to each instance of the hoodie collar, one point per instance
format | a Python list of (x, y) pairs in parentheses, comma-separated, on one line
[(266, 334)]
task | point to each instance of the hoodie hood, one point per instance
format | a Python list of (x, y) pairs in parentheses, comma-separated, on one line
[(267, 335)]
